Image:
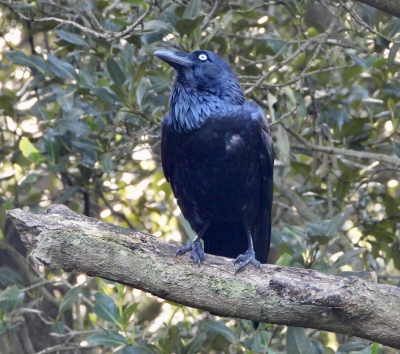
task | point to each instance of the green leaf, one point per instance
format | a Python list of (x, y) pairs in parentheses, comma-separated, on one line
[(358, 60), (392, 211), (186, 226), (67, 194), (333, 226), (223, 330), (108, 339), (260, 342), (128, 312), (194, 346), (289, 92), (61, 68), (140, 347), (131, 349), (70, 297), (116, 73), (157, 25), (141, 91), (34, 62), (348, 257), (188, 25), (285, 248), (193, 9), (8, 204), (28, 178), (170, 339), (86, 144), (65, 99), (72, 125), (297, 342), (391, 206), (352, 347), (283, 143), (105, 94), (106, 163), (9, 277), (375, 348), (105, 308), (223, 23), (30, 151), (396, 253), (284, 260), (72, 38), (343, 187), (140, 71), (391, 89), (119, 92), (392, 54), (271, 101), (10, 299)]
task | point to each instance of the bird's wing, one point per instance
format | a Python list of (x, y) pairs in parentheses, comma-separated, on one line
[(262, 234), (166, 162)]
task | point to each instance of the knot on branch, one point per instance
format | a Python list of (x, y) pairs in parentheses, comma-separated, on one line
[(305, 294)]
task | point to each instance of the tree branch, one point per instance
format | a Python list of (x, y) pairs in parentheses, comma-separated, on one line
[(389, 6), (393, 161), (59, 238)]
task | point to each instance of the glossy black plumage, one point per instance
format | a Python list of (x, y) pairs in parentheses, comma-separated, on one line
[(217, 153)]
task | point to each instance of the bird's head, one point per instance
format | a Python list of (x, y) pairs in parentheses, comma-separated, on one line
[(204, 72)]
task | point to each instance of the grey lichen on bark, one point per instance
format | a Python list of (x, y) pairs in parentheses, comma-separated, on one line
[(62, 239)]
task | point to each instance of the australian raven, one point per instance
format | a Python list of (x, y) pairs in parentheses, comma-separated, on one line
[(218, 156)]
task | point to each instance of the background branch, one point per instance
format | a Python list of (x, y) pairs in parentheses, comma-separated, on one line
[(389, 6), (394, 161), (59, 238)]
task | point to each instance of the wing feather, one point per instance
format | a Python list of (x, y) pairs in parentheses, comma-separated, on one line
[(166, 162), (262, 232)]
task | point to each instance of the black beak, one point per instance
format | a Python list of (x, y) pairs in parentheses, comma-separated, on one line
[(175, 59)]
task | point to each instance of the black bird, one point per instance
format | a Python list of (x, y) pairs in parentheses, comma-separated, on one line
[(218, 156)]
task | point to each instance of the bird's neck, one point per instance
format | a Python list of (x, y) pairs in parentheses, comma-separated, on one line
[(190, 108)]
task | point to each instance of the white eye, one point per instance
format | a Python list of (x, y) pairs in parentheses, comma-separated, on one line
[(202, 57)]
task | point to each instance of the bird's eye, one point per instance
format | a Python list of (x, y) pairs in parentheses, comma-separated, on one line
[(202, 57)]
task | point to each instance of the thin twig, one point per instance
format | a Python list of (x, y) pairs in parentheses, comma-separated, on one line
[(103, 34), (340, 151), (360, 21), (319, 40), (110, 7)]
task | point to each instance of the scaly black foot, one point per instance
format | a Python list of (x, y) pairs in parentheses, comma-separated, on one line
[(197, 253), (246, 259)]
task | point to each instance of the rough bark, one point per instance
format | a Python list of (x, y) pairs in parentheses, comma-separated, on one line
[(392, 7), (59, 238)]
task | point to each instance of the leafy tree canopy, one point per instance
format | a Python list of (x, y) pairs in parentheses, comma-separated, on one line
[(81, 103)]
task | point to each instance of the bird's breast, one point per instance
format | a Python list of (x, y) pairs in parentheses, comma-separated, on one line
[(217, 168)]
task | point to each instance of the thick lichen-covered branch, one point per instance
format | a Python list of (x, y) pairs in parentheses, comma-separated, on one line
[(59, 238)]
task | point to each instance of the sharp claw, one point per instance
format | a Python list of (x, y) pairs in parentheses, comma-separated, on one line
[(246, 259), (197, 253), (239, 258), (183, 250)]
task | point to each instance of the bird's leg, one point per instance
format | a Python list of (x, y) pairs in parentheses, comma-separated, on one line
[(248, 257), (197, 253)]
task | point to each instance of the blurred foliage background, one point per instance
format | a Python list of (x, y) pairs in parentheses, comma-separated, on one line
[(81, 103)]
